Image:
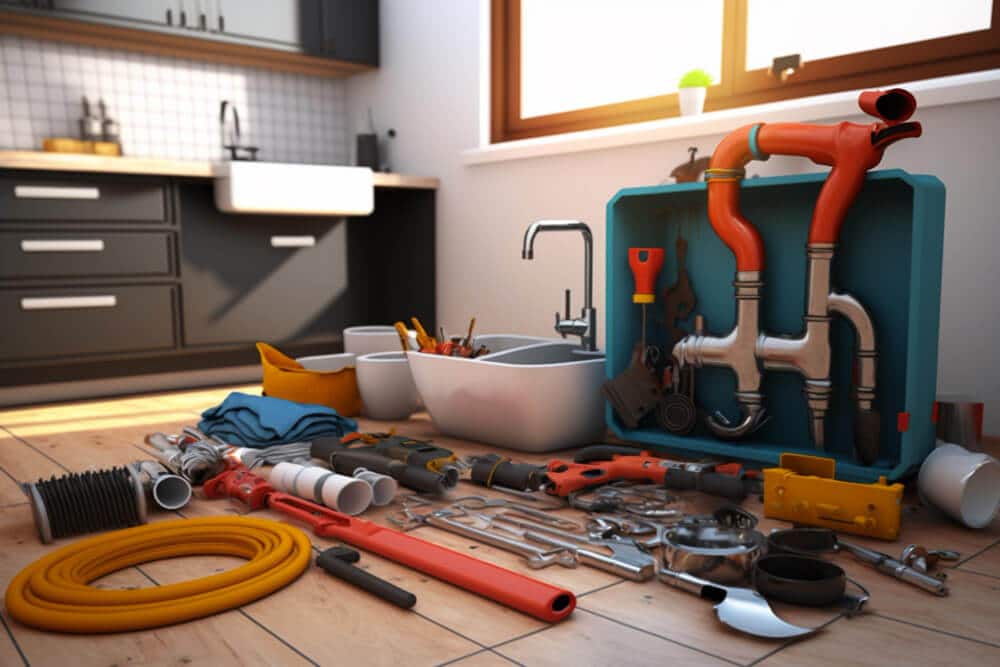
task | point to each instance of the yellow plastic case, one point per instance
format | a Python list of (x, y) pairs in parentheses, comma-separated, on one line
[(803, 490)]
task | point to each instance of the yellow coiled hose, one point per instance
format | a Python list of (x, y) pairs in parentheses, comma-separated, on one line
[(52, 593)]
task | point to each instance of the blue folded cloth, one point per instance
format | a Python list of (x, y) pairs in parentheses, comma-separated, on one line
[(261, 421)]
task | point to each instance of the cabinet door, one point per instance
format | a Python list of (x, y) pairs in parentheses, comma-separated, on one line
[(246, 278), (350, 30), (147, 11), (278, 21)]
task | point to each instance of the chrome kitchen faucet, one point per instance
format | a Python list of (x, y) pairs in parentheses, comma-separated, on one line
[(584, 326)]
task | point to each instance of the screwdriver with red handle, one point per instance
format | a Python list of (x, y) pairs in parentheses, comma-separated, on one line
[(645, 264)]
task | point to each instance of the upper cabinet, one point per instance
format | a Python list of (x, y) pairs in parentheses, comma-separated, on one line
[(350, 30), (153, 12), (342, 30), (275, 22)]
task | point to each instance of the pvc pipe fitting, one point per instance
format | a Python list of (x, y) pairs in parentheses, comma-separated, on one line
[(964, 485), (346, 494), (321, 485), (383, 487)]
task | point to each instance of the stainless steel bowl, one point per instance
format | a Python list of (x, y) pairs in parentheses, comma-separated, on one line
[(722, 555)]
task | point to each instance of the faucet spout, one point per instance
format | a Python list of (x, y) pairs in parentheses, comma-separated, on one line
[(586, 325)]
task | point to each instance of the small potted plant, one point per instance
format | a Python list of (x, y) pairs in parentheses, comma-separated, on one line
[(691, 91)]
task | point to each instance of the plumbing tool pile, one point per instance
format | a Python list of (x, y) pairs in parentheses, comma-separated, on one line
[(624, 510)]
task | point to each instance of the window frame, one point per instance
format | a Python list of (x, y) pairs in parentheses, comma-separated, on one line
[(943, 56)]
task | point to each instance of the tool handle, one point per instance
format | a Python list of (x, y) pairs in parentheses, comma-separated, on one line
[(566, 477), (605, 453), (644, 271), (730, 487), (495, 470), (329, 561)]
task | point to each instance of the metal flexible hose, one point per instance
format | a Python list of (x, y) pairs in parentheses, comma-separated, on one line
[(52, 593)]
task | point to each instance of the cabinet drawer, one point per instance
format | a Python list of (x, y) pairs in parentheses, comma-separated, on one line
[(84, 254), (52, 323), (35, 197)]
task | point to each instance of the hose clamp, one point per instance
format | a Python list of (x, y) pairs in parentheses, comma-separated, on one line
[(723, 174), (754, 146)]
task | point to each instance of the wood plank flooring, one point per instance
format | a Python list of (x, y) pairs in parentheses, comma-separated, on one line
[(319, 620)]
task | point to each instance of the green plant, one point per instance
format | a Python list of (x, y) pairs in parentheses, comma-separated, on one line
[(696, 78)]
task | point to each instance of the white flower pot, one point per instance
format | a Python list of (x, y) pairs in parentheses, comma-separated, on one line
[(692, 100)]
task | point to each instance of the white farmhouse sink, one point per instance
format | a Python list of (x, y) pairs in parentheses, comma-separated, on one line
[(293, 189), (530, 394)]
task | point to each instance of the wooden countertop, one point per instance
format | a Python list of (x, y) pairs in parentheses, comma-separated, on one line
[(161, 167)]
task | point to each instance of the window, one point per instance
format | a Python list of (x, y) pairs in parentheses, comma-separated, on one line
[(566, 65)]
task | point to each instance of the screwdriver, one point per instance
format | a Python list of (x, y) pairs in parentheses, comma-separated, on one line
[(645, 264)]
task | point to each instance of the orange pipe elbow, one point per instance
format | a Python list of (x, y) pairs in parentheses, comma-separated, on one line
[(724, 202)]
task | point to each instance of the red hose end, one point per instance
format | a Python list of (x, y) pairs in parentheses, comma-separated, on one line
[(892, 106)]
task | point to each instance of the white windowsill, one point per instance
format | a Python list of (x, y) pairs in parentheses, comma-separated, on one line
[(930, 93)]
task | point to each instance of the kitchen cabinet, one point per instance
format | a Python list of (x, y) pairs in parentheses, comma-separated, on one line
[(156, 12), (350, 31), (283, 22), (275, 278), (113, 275)]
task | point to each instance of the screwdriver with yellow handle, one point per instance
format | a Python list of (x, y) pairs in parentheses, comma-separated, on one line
[(427, 343)]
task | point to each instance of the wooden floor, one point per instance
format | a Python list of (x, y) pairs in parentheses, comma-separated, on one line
[(319, 620)]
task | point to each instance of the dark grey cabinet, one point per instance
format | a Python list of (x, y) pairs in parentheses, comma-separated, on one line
[(35, 253), (350, 30), (247, 278), (46, 323), (147, 276)]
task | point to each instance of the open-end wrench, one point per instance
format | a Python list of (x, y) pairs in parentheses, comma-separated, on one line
[(482, 502), (535, 556), (626, 560)]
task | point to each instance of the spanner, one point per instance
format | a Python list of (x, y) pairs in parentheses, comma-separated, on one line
[(536, 557), (627, 559)]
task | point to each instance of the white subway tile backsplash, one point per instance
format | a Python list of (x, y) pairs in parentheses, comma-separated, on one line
[(167, 107)]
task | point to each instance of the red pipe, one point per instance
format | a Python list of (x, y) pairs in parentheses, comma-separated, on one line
[(850, 149)]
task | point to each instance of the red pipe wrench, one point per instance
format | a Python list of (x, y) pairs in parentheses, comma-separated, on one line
[(543, 601)]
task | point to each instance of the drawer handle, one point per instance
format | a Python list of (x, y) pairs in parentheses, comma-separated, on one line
[(293, 241), (55, 192), (39, 245), (61, 302)]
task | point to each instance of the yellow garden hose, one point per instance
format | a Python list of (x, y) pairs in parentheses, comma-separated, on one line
[(52, 593)]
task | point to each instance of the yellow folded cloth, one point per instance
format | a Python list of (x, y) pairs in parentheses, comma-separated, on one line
[(286, 378)]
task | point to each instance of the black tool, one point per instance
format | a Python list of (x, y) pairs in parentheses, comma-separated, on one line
[(495, 470), (806, 581), (338, 561), (676, 412), (634, 392), (347, 461)]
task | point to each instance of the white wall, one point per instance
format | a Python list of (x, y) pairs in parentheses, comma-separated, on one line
[(428, 88)]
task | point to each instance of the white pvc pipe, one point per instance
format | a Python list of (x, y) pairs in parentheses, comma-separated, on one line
[(383, 487), (344, 494)]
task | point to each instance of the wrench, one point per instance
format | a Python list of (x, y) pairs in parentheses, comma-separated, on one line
[(536, 557), (482, 502), (627, 559)]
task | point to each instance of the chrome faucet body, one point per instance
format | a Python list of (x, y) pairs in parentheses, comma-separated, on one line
[(584, 326)]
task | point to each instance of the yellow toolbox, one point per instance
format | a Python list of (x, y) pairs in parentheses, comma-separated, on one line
[(803, 490)]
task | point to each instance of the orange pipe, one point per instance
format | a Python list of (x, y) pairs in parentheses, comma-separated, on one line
[(850, 149), (724, 203)]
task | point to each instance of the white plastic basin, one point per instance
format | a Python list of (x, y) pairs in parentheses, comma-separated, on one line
[(293, 189), (528, 394)]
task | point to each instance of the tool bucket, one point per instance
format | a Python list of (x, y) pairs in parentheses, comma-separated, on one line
[(286, 378)]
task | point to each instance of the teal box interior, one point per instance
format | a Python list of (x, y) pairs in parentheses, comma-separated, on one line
[(888, 256)]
